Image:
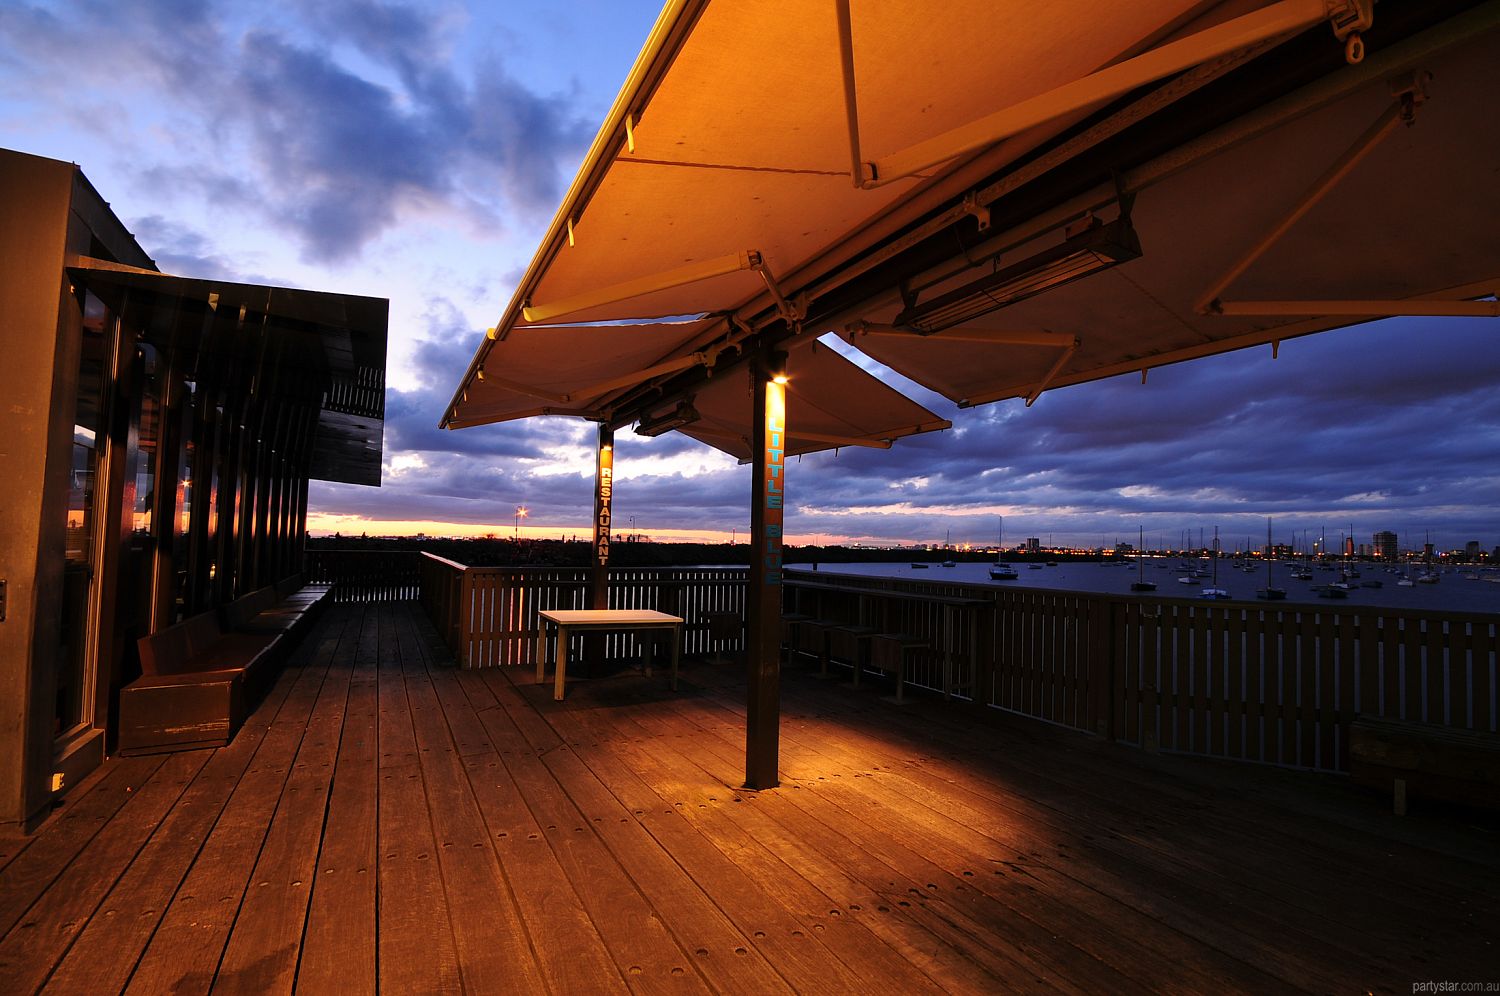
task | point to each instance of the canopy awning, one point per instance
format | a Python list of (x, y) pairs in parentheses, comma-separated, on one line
[(835, 402), (578, 369), (289, 346), (572, 369), (787, 169)]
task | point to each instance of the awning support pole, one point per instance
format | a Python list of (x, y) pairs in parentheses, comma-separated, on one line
[(604, 487), (1208, 301), (598, 585), (1056, 368), (1408, 308), (763, 597)]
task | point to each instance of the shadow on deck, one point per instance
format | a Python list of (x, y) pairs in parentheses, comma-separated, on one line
[(384, 821)]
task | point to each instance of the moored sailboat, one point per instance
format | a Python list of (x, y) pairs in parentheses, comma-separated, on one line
[(1140, 583), (1000, 570), (1269, 593)]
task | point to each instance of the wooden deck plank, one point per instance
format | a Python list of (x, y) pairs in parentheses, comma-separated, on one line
[(632, 929), (417, 950), (894, 827), (339, 940), (183, 954), (30, 951), (105, 954), (787, 941), (1301, 851), (263, 947), (723, 955), (610, 835), (25, 879), (1316, 903), (851, 945), (766, 849), (570, 952), (494, 950)]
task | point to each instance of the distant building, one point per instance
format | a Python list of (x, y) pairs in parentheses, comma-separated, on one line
[(1471, 551), (1349, 546), (1033, 544), (1385, 545)]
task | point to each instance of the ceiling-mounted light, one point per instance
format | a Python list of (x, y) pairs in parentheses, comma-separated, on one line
[(1098, 247), (675, 418)]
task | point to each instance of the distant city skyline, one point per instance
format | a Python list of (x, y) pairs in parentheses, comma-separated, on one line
[(417, 153)]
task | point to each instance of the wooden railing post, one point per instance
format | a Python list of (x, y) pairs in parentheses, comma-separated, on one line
[(1104, 632), (463, 622)]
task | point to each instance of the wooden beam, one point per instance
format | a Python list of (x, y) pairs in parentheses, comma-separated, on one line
[(767, 496)]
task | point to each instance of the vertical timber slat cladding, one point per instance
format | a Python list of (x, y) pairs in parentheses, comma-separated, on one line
[(1282, 647), (1485, 645), (1234, 696), (1437, 667), (1459, 676), (1130, 638), (1414, 706), (1252, 686), (1344, 710)]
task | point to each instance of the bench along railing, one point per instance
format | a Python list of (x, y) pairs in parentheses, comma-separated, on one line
[(488, 615), (366, 575), (1267, 682)]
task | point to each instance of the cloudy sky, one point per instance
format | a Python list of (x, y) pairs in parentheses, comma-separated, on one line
[(418, 151)]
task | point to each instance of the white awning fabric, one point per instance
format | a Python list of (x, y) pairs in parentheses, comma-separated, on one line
[(725, 176), (567, 369), (835, 404), (575, 370)]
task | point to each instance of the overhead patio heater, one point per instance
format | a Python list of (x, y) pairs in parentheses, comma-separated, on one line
[(1097, 247), (675, 418)]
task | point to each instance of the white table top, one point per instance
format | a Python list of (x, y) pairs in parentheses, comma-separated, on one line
[(608, 617)]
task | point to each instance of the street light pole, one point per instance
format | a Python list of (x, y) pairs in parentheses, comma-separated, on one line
[(521, 513)]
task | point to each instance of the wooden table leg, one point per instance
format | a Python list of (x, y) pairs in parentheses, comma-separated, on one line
[(562, 662), (649, 657), (541, 651), (676, 635)]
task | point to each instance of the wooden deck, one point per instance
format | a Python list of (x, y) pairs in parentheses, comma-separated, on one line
[(389, 823)]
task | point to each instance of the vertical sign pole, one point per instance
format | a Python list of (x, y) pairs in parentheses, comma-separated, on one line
[(604, 487), (768, 491), (598, 591)]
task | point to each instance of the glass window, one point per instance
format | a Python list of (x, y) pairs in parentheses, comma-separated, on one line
[(79, 547)]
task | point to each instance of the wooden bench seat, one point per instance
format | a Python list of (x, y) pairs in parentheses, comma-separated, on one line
[(723, 627), (810, 637), (1426, 761), (891, 653), (201, 677), (850, 644)]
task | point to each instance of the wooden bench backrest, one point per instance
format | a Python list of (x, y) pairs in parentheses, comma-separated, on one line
[(167, 651), (290, 586), (245, 608)]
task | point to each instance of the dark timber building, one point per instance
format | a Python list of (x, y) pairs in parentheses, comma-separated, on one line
[(157, 434)]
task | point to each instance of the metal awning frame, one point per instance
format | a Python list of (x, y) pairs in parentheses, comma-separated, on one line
[(1287, 17)]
